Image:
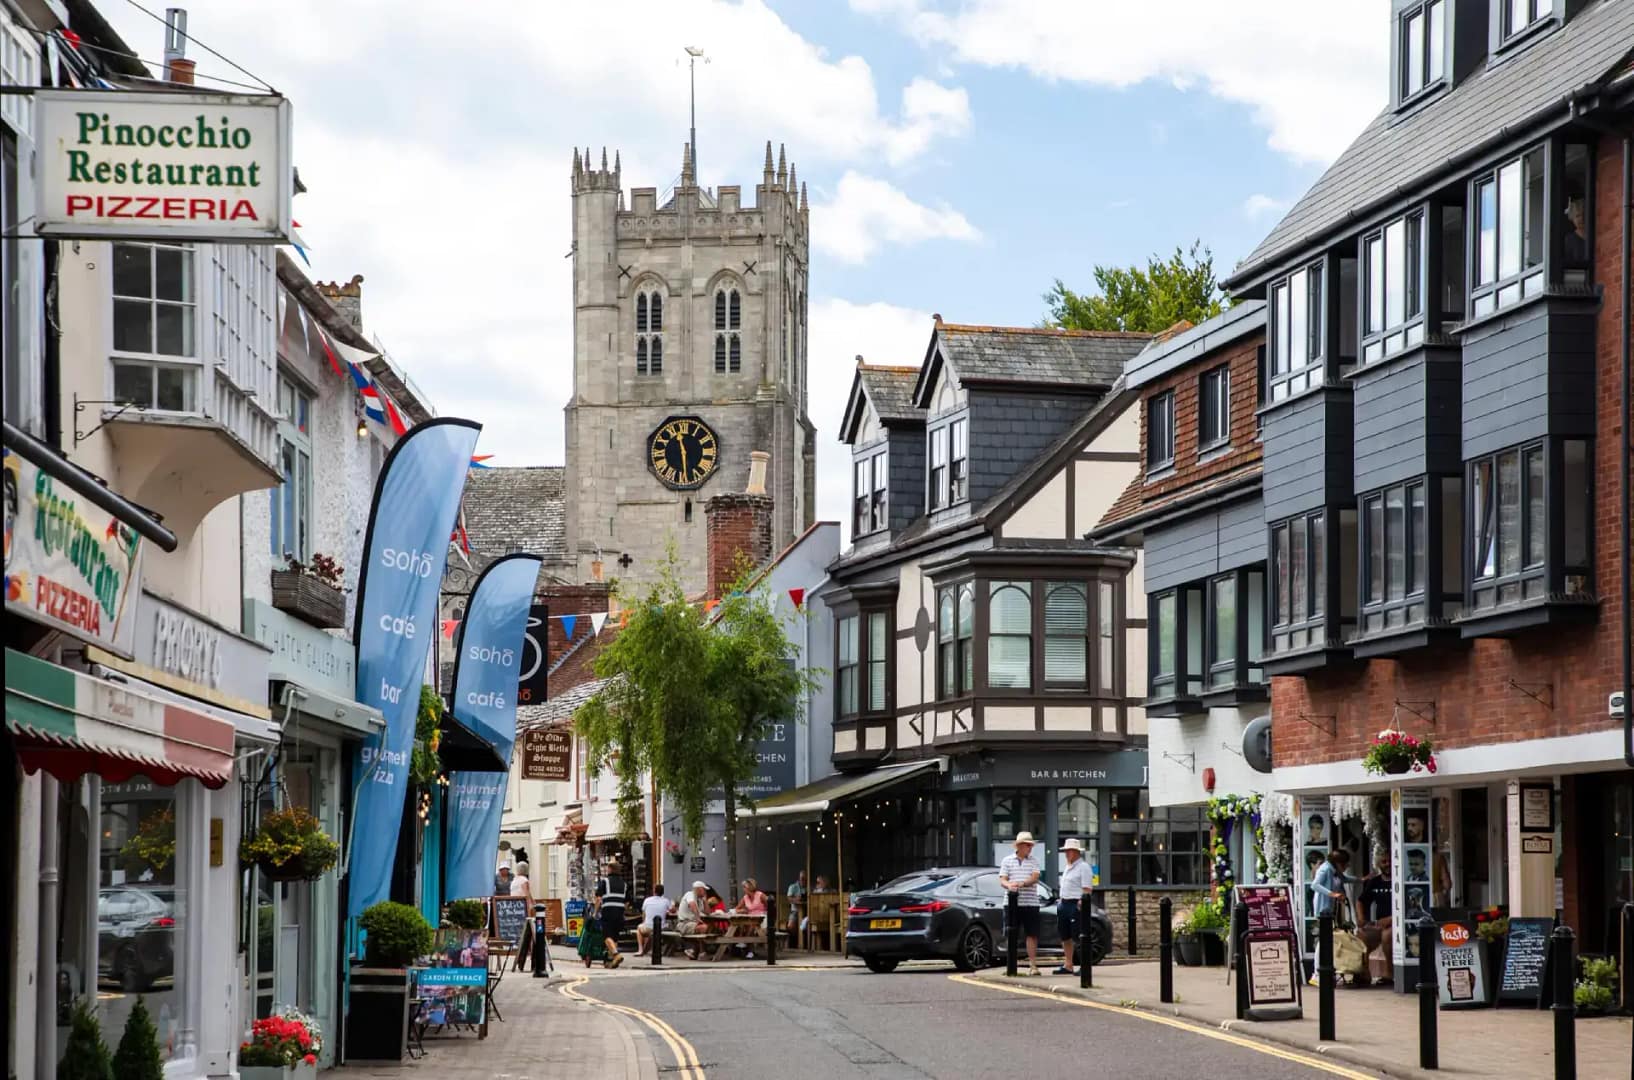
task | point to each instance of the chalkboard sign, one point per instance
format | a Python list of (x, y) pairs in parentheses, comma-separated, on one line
[(510, 915), (1525, 959)]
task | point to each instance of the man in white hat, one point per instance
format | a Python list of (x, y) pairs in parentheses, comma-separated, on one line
[(690, 910), (1074, 901), (1019, 874)]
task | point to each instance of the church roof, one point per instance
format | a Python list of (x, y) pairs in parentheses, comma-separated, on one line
[(513, 509), (1033, 356)]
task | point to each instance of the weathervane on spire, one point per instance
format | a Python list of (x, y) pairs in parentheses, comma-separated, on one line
[(694, 54)]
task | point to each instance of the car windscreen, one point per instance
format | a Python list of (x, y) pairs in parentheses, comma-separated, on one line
[(916, 883)]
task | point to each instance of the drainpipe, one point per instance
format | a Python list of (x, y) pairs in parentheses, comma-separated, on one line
[(45, 1015), (1627, 451)]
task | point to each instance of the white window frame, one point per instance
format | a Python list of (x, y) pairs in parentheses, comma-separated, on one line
[(293, 441), (153, 360)]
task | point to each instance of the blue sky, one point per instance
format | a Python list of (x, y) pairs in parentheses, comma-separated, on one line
[(960, 154)]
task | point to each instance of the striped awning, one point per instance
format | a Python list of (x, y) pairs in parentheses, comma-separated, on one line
[(70, 724)]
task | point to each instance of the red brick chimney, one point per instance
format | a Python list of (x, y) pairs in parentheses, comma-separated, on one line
[(739, 525)]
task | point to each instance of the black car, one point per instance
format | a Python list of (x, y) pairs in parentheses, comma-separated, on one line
[(955, 914), (135, 935)]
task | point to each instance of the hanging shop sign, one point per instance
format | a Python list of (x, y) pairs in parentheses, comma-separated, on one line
[(69, 564), (163, 166), (547, 754), (532, 684)]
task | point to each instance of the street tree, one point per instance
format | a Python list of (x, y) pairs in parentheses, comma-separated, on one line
[(1145, 300), (688, 694)]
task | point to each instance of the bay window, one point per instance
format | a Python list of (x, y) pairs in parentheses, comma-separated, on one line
[(1009, 635), (1236, 631), (1531, 516), (879, 642), (845, 666), (1509, 227), (1411, 562), (1066, 629), (1175, 633), (1298, 332), (1207, 643), (863, 663), (955, 636), (1393, 280), (1310, 553), (1106, 637), (155, 327)]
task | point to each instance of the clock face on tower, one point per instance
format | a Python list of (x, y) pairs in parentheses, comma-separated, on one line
[(683, 452)]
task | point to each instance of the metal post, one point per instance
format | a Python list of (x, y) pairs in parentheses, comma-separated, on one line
[(1012, 930), (1239, 929), (1324, 977), (1129, 921), (1565, 1008), (1625, 966), (657, 941), (771, 926), (1165, 952), (541, 946), (1086, 942), (1429, 1039)]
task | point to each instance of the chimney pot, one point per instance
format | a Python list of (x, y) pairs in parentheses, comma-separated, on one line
[(181, 71), (757, 472)]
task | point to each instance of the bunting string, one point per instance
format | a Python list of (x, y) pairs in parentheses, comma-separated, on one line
[(598, 619)]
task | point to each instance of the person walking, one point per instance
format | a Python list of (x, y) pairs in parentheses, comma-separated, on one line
[(1328, 888), (1019, 873), (797, 908), (521, 886), (1073, 904), (610, 899)]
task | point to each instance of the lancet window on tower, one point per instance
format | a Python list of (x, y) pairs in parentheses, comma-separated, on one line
[(728, 343), (649, 332)]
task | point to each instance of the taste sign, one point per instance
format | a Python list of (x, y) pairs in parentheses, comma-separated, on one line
[(164, 166)]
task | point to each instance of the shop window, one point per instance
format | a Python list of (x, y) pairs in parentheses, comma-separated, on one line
[(1009, 635), (1155, 846), (141, 911), (1017, 810)]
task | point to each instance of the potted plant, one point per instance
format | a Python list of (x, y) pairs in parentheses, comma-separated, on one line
[(1208, 923), (1492, 930), (676, 851), (138, 1055), (466, 914), (377, 1021), (1594, 992), (284, 1046), (312, 591), (1396, 753), (85, 1057), (1188, 944), (289, 845)]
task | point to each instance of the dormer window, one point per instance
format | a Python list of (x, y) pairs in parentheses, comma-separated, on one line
[(958, 461), (1298, 331), (938, 468), (949, 472), (1423, 47), (1393, 277), (1520, 15)]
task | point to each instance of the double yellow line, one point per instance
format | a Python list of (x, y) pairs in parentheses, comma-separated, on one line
[(1169, 1021), (686, 1057)]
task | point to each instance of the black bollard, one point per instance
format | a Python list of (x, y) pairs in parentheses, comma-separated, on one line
[(1165, 952), (1012, 930), (1129, 920), (1086, 945), (1239, 932), (541, 947), (771, 927), (1625, 966), (1562, 963), (657, 941), (1324, 978), (1429, 1038)]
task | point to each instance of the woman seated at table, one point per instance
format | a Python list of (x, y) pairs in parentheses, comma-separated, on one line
[(753, 901), (713, 902)]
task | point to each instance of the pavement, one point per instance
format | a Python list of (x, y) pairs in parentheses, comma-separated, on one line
[(1377, 1028)]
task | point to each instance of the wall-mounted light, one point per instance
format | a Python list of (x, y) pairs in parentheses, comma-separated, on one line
[(362, 430)]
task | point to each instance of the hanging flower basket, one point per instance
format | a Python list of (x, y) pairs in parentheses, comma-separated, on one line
[(290, 845), (1395, 753)]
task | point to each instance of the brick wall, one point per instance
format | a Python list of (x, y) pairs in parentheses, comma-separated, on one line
[(571, 600), (1243, 356), (1116, 902), (1470, 682), (736, 524)]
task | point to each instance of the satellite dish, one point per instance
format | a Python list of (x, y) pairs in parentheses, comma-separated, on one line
[(1257, 744)]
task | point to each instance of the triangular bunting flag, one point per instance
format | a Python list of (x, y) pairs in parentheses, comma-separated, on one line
[(329, 353), (568, 622), (597, 621), (798, 596), (711, 605), (448, 627)]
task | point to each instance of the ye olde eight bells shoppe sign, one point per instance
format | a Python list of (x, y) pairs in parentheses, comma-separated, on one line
[(164, 166)]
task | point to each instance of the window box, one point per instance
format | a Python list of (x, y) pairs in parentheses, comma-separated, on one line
[(308, 599)]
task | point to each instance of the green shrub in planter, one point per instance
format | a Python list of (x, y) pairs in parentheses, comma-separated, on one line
[(398, 934), (86, 1055), (138, 1055), (467, 915)]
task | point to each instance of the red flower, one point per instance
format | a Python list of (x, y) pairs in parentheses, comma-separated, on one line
[(310, 1059)]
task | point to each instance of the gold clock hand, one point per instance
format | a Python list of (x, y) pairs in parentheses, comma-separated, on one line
[(684, 467)]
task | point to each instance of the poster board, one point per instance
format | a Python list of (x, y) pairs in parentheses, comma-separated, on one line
[(510, 917), (1460, 968), (1313, 831), (1411, 859), (1526, 958), (1273, 965), (574, 911), (454, 988)]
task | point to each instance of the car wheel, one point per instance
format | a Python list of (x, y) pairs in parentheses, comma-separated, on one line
[(1099, 943), (128, 970), (880, 965), (975, 950)]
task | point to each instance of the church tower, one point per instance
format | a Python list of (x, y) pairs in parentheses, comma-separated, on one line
[(689, 353)]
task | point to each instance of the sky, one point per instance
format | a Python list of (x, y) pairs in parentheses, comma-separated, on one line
[(960, 155)]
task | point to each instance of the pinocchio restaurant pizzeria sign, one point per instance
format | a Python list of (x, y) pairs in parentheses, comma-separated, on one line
[(158, 166)]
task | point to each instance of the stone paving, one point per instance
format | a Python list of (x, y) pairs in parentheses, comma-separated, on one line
[(1377, 1028)]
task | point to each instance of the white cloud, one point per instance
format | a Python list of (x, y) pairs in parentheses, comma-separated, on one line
[(436, 143), (1310, 74), (868, 213), (1260, 205), (840, 332)]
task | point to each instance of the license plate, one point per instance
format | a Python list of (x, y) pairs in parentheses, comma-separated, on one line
[(884, 924)]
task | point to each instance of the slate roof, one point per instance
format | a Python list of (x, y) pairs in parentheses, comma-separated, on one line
[(1076, 358), (516, 509), (1503, 96), (890, 391)]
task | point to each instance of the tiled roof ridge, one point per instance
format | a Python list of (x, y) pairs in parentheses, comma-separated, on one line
[(1054, 331), (898, 369)]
